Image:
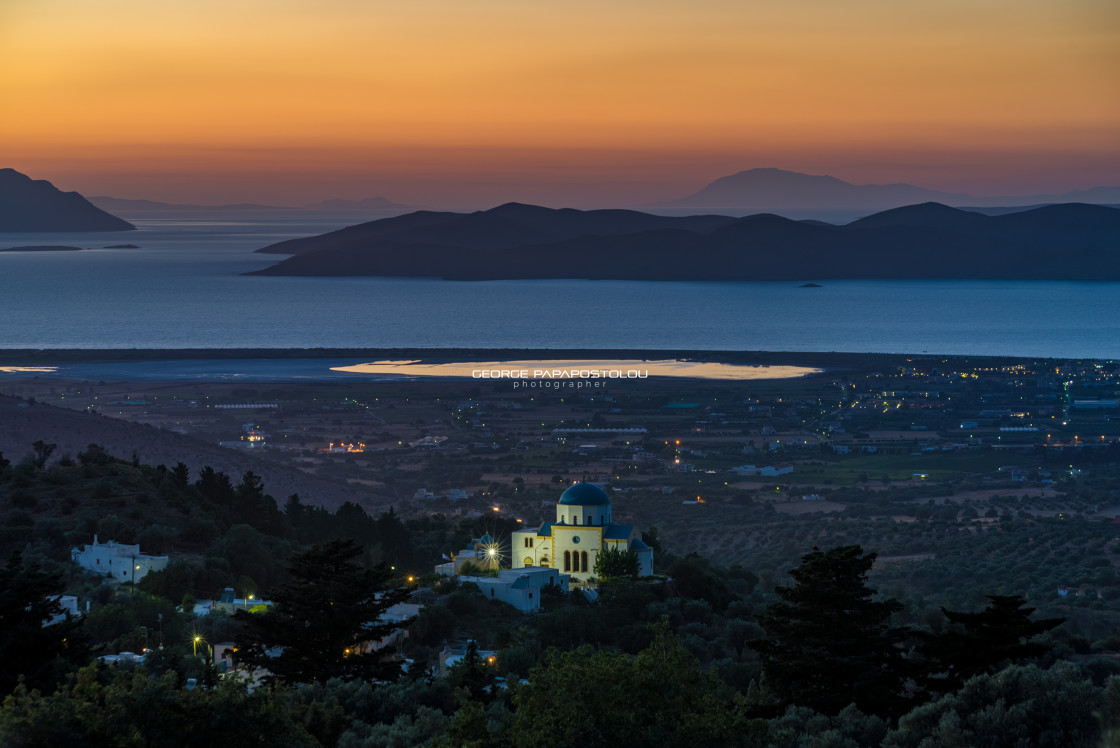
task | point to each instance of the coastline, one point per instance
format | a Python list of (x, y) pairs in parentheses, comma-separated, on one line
[(10, 356), (440, 364)]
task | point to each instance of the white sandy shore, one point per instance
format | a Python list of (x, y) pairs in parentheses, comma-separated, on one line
[(579, 369)]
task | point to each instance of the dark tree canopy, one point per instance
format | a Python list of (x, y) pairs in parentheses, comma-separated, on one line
[(324, 623), (29, 597), (694, 579), (116, 708), (983, 642), (661, 697), (829, 643), (1019, 706)]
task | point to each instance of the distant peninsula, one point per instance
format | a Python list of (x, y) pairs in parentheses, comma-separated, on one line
[(514, 241), (36, 205)]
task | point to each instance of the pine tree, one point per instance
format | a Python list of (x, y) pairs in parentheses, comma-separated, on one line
[(325, 622), (29, 597), (829, 643), (983, 642)]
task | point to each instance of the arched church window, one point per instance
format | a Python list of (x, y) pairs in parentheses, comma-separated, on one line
[(567, 560), (528, 561), (583, 558), (544, 560)]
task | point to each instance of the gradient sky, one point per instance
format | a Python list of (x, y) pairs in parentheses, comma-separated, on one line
[(468, 103)]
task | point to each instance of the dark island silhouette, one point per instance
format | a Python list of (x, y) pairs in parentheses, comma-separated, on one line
[(36, 205), (514, 241)]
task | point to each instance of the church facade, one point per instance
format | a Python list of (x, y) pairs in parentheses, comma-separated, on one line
[(583, 528)]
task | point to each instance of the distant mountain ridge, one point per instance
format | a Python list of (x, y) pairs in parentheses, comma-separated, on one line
[(36, 205), (927, 240), (802, 195)]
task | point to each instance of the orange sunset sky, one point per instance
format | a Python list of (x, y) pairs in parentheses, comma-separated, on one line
[(468, 103)]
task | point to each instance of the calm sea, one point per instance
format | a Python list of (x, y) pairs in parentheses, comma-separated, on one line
[(184, 288)]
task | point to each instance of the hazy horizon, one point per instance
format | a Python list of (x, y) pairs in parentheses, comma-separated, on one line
[(473, 199), (458, 105)]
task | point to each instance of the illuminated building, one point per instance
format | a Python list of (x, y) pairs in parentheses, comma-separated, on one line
[(583, 528)]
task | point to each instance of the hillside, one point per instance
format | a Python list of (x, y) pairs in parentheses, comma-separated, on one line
[(35, 205), (74, 431)]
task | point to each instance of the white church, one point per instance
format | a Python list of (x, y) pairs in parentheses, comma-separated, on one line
[(582, 529), (120, 561)]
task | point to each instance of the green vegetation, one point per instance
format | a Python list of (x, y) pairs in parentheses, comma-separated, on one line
[(612, 562), (658, 697)]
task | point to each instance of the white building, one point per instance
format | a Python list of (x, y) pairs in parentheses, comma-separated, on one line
[(125, 563), (520, 588), (485, 553), (582, 529)]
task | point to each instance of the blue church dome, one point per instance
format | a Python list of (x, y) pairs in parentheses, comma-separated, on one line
[(585, 494)]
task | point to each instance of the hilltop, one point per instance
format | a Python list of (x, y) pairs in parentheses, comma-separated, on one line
[(34, 205)]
